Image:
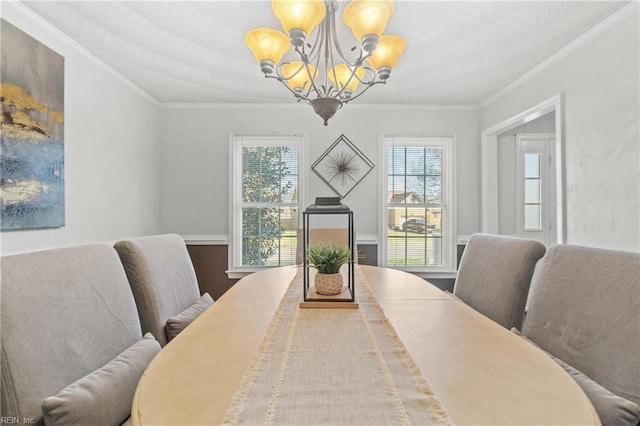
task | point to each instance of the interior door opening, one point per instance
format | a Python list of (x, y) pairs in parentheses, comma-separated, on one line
[(505, 207)]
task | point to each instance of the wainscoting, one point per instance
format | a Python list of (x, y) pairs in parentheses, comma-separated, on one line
[(211, 262)]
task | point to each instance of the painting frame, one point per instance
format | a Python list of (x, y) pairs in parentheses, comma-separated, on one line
[(342, 166), (32, 176)]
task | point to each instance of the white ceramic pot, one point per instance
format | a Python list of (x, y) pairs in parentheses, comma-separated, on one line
[(328, 284)]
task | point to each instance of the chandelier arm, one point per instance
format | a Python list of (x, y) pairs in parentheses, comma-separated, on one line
[(340, 91), (362, 54), (281, 76), (367, 69), (336, 44), (313, 86), (319, 65), (283, 81), (329, 61), (328, 53), (363, 90), (312, 79), (315, 47), (307, 60), (316, 56)]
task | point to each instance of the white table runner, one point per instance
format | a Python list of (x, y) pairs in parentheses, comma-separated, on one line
[(333, 366)]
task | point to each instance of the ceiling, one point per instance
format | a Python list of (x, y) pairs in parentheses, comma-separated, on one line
[(458, 53)]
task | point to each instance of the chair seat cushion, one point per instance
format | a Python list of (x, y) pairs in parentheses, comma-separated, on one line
[(179, 322), (612, 409), (103, 397)]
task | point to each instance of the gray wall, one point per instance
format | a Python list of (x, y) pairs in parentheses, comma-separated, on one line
[(195, 160), (599, 83), (111, 153)]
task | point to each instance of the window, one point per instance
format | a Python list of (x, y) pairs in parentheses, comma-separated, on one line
[(418, 230), (265, 201), (532, 199), (535, 187)]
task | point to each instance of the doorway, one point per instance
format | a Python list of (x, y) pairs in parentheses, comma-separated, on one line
[(522, 189), (535, 187)]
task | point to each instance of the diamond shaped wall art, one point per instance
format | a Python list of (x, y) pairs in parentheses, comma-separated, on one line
[(342, 166)]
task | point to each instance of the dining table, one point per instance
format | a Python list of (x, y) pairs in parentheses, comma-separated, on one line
[(480, 372)]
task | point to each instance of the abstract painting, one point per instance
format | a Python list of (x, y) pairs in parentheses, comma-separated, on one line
[(342, 166), (31, 133)]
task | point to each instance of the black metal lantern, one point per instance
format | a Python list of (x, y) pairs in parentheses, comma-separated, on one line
[(323, 212)]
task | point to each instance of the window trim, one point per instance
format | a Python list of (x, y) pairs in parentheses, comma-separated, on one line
[(236, 143), (449, 202)]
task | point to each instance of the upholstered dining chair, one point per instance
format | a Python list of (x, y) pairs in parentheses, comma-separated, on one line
[(72, 348), (164, 284), (584, 310), (494, 276)]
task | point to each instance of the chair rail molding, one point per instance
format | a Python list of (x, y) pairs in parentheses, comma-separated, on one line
[(206, 240)]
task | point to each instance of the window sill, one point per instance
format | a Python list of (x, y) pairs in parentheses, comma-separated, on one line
[(426, 274), (236, 275), (241, 273)]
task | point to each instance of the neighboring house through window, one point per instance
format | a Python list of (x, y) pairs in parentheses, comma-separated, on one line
[(417, 233), (265, 201)]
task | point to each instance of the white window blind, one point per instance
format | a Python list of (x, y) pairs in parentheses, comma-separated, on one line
[(266, 201), (417, 204)]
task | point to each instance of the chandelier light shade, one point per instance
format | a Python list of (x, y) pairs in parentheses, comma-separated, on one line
[(367, 18), (299, 15), (323, 74), (386, 55), (268, 46)]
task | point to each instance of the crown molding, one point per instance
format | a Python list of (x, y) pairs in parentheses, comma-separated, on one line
[(189, 105), (20, 9), (600, 28)]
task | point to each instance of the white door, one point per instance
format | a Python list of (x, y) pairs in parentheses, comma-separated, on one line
[(535, 187)]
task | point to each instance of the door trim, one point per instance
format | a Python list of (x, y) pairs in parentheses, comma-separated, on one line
[(489, 173)]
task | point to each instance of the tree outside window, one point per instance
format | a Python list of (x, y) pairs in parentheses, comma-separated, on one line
[(265, 213)]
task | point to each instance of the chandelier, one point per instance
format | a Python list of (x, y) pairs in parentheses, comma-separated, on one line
[(324, 77)]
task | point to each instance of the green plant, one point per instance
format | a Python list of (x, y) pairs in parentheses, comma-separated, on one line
[(328, 257)]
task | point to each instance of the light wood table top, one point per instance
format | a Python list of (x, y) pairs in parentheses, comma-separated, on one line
[(481, 372)]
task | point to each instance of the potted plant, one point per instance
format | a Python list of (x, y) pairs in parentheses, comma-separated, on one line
[(327, 258)]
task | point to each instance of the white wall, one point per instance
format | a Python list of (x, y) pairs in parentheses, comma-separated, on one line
[(111, 150), (599, 83), (195, 169)]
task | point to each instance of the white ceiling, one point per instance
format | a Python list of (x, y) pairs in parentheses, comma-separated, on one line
[(458, 53)]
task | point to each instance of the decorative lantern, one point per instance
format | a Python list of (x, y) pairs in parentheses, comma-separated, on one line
[(329, 255)]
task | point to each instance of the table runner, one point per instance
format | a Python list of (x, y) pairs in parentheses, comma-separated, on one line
[(333, 366)]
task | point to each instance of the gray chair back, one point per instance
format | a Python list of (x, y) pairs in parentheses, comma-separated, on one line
[(494, 276), (162, 279), (584, 308), (65, 313)]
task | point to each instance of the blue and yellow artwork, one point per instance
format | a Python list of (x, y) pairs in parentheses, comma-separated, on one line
[(31, 133)]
